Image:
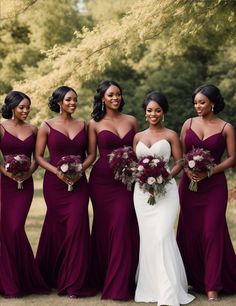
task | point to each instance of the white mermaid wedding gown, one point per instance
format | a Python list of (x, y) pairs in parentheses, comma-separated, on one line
[(160, 275)]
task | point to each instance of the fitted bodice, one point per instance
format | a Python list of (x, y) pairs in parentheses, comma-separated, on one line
[(108, 141), (61, 145), (215, 143), (10, 144), (160, 148)]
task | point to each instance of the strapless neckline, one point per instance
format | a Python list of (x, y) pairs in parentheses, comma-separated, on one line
[(156, 142), (121, 138)]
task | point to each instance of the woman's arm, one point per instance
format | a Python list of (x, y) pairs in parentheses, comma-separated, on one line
[(177, 153), (230, 148), (40, 147), (92, 145)]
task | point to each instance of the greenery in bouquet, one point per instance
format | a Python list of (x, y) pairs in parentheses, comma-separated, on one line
[(198, 160), (123, 161), (17, 164), (152, 175), (70, 166)]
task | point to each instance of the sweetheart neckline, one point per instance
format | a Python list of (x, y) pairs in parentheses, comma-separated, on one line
[(140, 141), (116, 134)]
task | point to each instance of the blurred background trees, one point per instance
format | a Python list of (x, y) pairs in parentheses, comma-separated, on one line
[(172, 46)]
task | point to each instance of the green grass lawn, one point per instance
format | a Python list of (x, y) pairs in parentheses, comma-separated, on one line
[(33, 228)]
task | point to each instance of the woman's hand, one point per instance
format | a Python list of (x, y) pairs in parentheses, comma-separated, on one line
[(66, 179), (23, 177), (196, 176)]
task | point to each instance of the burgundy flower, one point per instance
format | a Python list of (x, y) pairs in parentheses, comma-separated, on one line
[(152, 175), (70, 166), (123, 161)]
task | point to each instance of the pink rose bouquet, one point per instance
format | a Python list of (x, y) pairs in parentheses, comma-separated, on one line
[(70, 166), (123, 161), (152, 175), (17, 164), (198, 160)]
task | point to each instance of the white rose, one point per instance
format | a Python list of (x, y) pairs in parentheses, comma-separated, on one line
[(17, 157), (140, 168), (155, 161), (146, 161), (151, 180), (7, 166), (64, 168), (159, 179), (79, 167), (125, 155), (198, 157), (191, 164)]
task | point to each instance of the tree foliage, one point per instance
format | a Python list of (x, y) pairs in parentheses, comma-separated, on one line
[(172, 46)]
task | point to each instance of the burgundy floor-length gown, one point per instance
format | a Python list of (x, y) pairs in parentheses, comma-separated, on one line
[(63, 251), (19, 274), (115, 242), (203, 236)]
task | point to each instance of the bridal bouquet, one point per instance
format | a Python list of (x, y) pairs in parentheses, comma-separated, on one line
[(17, 165), (70, 166), (152, 176), (198, 160), (123, 161)]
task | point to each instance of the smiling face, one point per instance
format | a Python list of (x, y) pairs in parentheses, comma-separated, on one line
[(21, 111), (154, 113), (202, 105), (69, 102), (112, 98)]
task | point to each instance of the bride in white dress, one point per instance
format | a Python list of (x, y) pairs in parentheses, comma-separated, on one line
[(160, 276)]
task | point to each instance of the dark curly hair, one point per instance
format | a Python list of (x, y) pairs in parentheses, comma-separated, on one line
[(11, 101), (157, 97), (58, 96), (213, 94), (98, 112)]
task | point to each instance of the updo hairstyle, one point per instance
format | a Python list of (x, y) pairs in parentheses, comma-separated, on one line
[(11, 101), (58, 96), (157, 97), (213, 94)]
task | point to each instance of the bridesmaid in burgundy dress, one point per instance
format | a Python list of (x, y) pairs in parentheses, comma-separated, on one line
[(115, 232), (203, 236), (63, 251), (19, 274)]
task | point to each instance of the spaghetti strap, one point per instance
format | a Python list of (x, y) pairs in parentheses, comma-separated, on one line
[(190, 126), (224, 127), (2, 127), (48, 124)]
